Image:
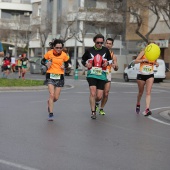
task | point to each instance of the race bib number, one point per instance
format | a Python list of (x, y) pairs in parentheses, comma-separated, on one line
[(146, 69), (96, 71), (55, 76)]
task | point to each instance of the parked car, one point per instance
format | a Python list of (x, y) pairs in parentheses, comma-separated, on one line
[(130, 72)]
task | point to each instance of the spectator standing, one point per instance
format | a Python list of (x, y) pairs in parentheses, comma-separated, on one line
[(6, 67), (24, 61), (1, 50)]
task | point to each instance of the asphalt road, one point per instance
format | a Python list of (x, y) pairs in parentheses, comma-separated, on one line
[(120, 140)]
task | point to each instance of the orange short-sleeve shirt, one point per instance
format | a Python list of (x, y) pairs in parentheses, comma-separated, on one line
[(57, 62), (146, 68)]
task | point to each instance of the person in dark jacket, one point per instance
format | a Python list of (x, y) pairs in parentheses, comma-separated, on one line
[(96, 59)]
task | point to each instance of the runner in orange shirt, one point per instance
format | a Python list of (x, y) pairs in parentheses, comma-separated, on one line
[(145, 77), (54, 61)]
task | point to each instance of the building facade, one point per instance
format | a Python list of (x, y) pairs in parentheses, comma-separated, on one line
[(160, 34), (15, 25), (77, 22)]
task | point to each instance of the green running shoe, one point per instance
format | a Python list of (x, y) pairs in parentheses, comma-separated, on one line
[(101, 112), (97, 108)]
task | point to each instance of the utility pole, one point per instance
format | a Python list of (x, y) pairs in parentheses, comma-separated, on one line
[(120, 45), (54, 19), (75, 46), (76, 33)]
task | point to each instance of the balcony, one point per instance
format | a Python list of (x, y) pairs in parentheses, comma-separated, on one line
[(15, 24), (94, 15), (17, 1), (19, 5)]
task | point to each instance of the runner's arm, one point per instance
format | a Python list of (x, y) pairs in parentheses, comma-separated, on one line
[(108, 56), (139, 58), (85, 57)]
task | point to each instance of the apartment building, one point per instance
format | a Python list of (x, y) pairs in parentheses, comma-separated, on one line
[(77, 23), (160, 35), (15, 24)]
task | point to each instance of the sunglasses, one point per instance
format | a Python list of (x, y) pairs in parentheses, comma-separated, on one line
[(99, 42), (58, 48)]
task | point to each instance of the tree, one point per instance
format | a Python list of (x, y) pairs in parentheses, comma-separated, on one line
[(165, 11), (139, 12), (14, 32), (41, 30)]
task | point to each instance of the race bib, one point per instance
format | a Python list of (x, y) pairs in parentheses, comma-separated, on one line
[(8, 66), (55, 76), (108, 71), (24, 63), (96, 71), (146, 69)]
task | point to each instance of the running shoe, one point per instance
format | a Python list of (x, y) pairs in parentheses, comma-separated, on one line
[(137, 109), (147, 112), (97, 107), (48, 106), (101, 112), (50, 117), (93, 115)]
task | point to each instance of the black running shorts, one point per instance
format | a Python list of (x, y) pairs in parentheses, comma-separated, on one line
[(96, 82), (55, 83), (144, 77)]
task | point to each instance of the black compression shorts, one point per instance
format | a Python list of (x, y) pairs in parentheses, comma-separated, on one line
[(96, 82), (144, 77)]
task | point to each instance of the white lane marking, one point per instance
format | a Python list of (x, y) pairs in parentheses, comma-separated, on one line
[(157, 120), (23, 167), (161, 108)]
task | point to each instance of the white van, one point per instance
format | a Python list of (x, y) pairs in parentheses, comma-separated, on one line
[(130, 72)]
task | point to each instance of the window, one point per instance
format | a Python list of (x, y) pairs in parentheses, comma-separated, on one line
[(13, 15), (59, 8), (90, 3), (134, 13), (164, 15), (39, 10), (89, 28)]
